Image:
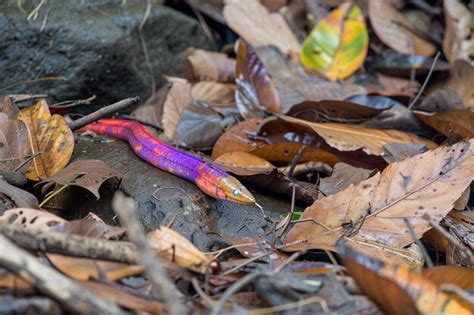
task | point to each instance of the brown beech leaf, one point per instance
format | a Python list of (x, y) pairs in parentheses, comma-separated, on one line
[(395, 31), (397, 289), (50, 137), (87, 174), (33, 219), (14, 145), (461, 277), (173, 247), (459, 122), (178, 97), (255, 91), (252, 21), (202, 65), (458, 42), (85, 269), (370, 215), (235, 138), (243, 163), (349, 137), (13, 197), (222, 94)]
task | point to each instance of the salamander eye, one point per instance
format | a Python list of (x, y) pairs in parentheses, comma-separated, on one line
[(235, 192)]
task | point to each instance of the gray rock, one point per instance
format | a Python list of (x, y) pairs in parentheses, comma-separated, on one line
[(75, 49), (196, 216)]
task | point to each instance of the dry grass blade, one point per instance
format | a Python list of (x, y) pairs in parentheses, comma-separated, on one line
[(371, 213)]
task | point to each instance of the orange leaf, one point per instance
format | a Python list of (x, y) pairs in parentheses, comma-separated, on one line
[(50, 137)]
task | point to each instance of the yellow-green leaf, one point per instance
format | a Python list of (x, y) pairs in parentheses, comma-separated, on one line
[(338, 44)]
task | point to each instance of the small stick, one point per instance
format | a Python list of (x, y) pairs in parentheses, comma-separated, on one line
[(104, 111), (426, 81), (296, 159), (70, 245), (126, 209), (53, 283), (424, 252)]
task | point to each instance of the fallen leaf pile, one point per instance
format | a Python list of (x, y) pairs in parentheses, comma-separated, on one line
[(358, 115)]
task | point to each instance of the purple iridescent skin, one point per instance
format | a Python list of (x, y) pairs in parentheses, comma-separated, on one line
[(209, 178)]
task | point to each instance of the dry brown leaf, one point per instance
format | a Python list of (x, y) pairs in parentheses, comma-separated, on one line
[(178, 97), (85, 269), (152, 111), (214, 92), (395, 31), (173, 247), (342, 176), (458, 42), (202, 65), (459, 122), (397, 289), (461, 277), (350, 138), (235, 138), (14, 147), (370, 215), (33, 218), (13, 197), (87, 174), (243, 163), (462, 80), (93, 226), (50, 137), (252, 21)]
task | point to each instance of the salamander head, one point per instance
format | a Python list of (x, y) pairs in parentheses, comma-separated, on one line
[(235, 191)]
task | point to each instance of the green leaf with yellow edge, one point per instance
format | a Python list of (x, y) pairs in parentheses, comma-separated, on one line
[(338, 44), (50, 138)]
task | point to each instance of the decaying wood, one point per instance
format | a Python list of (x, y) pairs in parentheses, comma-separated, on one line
[(51, 282), (71, 245), (126, 209)]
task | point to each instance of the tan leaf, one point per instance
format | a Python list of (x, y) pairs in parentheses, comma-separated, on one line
[(87, 174), (14, 145), (214, 92), (458, 42), (252, 21), (459, 122), (202, 65), (173, 247), (178, 97), (235, 138), (395, 31), (32, 218), (350, 137), (371, 214), (85, 269), (50, 137), (243, 163)]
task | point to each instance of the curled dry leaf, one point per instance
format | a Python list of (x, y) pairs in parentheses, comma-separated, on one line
[(255, 92), (202, 65), (462, 80), (50, 137), (14, 148), (338, 45), (178, 97), (236, 138), (85, 269), (458, 42), (152, 111), (461, 277), (33, 218), (397, 289), (173, 247), (395, 31), (87, 174), (13, 197), (441, 100), (349, 137), (252, 21), (222, 94), (370, 215), (94, 227), (243, 163), (460, 122), (255, 247)]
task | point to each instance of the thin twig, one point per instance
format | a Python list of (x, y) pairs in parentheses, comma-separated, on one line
[(126, 209), (424, 252), (104, 111), (426, 81), (296, 159), (288, 306)]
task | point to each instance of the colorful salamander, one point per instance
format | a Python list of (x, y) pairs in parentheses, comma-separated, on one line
[(209, 178)]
